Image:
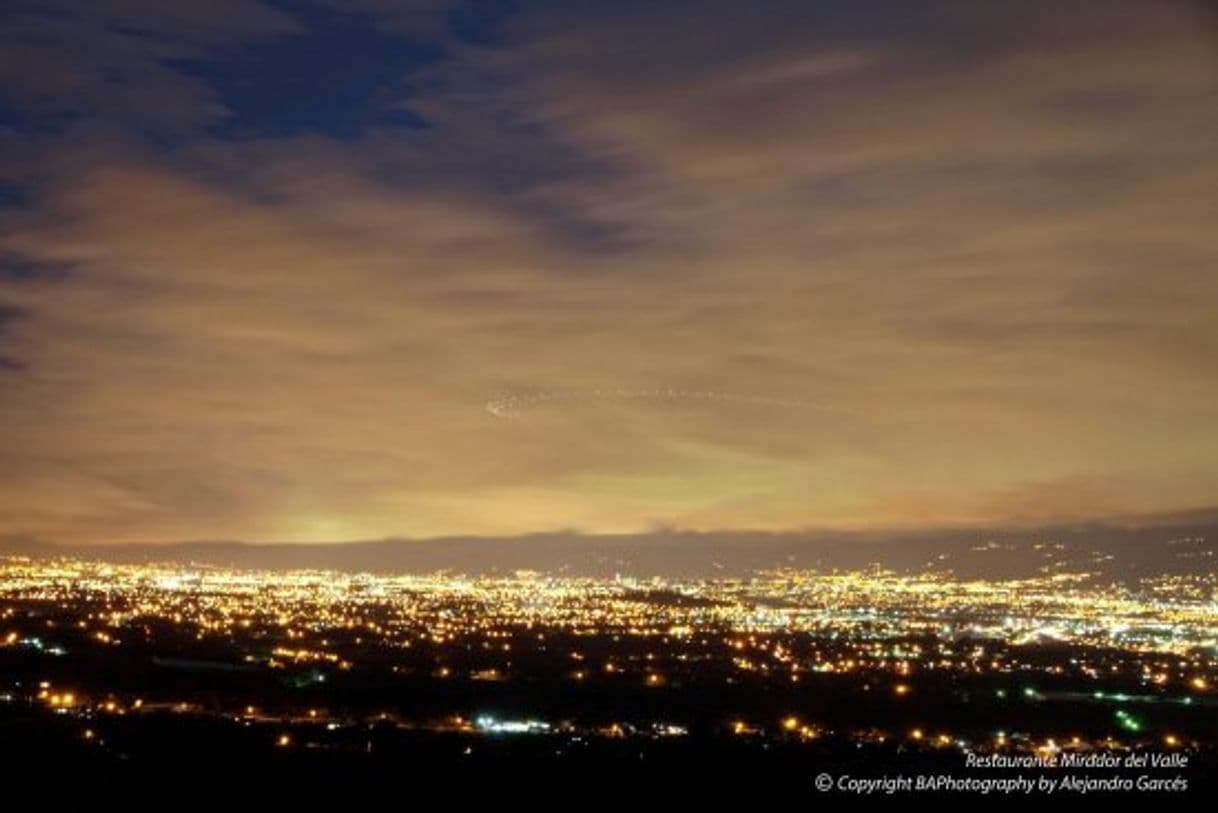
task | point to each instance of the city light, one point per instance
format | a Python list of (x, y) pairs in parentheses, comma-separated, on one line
[(920, 638)]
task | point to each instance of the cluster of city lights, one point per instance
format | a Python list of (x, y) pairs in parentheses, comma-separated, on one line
[(875, 630)]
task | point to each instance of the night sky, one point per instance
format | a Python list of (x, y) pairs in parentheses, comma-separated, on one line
[(347, 269)]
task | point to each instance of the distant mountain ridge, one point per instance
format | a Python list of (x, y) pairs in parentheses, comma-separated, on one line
[(1116, 551)]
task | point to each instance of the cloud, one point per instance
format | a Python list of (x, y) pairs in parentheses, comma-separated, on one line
[(981, 235), (113, 62)]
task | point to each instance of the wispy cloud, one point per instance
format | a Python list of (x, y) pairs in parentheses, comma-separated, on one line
[(984, 236)]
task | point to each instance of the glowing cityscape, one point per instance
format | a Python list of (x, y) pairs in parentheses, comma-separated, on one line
[(1145, 655), (684, 405)]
